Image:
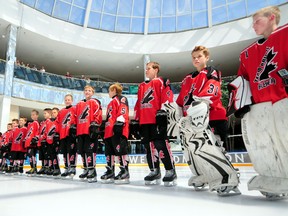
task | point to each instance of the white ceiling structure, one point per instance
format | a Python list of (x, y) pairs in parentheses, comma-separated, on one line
[(61, 46)]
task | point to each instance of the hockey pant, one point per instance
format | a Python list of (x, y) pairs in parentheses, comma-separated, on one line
[(156, 149), (116, 146), (87, 150), (264, 131), (207, 161), (69, 151), (31, 153)]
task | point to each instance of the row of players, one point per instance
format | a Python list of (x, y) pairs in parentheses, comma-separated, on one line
[(196, 116)]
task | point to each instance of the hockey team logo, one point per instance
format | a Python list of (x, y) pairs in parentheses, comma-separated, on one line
[(66, 120), (29, 133), (266, 67), (84, 115), (188, 99), (19, 138), (118, 148), (148, 97), (43, 130), (51, 132)]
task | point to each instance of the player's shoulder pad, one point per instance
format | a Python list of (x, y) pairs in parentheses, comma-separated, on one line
[(97, 100), (123, 99), (213, 73), (166, 81)]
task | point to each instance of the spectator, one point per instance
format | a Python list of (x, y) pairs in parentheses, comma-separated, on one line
[(28, 65), (42, 69), (34, 67), (68, 74)]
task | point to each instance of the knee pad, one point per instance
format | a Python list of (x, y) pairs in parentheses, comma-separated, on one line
[(199, 114)]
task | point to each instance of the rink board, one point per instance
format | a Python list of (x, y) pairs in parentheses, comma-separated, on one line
[(236, 158)]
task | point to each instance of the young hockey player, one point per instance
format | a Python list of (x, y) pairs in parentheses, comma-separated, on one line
[(88, 119), (152, 95), (30, 143), (5, 147), (67, 130), (42, 143), (264, 65), (202, 150), (116, 136), (17, 148)]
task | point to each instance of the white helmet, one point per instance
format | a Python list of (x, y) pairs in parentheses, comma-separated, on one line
[(199, 114)]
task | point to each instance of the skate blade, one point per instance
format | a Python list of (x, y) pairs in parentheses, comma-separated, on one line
[(92, 180), (198, 187), (171, 183), (274, 196), (107, 181), (122, 181), (154, 182), (232, 192), (57, 177)]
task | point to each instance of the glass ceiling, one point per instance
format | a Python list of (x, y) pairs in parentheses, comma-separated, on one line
[(149, 16)]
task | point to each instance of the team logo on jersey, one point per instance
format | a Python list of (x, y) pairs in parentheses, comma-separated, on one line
[(51, 132), (66, 120), (148, 97), (123, 100), (266, 67), (188, 99), (43, 130), (19, 137), (29, 133), (83, 115)]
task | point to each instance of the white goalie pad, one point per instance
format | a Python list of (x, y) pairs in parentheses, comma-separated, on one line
[(239, 95), (174, 114)]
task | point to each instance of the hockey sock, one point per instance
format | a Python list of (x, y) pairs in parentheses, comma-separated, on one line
[(165, 153)]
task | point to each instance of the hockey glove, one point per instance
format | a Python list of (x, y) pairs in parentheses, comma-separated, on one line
[(93, 130), (72, 131), (118, 128), (34, 141), (161, 118)]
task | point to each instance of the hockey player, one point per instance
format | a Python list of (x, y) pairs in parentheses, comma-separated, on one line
[(5, 147), (88, 119), (264, 127), (42, 144), (17, 148), (30, 143), (67, 130), (152, 94), (116, 136), (202, 150)]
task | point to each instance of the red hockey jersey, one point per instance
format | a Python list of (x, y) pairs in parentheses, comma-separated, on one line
[(87, 111), (65, 118), (18, 136), (205, 83), (51, 128), (6, 137), (42, 131), (260, 62), (151, 96), (117, 107), (32, 131)]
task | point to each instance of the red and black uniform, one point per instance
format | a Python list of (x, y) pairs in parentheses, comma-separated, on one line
[(151, 96), (116, 139), (42, 146), (206, 84), (32, 132), (17, 148), (65, 119), (87, 112), (51, 148), (5, 146), (260, 63)]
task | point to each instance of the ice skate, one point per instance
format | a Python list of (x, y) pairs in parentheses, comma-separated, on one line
[(92, 175), (122, 177), (153, 178), (56, 173), (20, 171), (198, 182), (49, 172), (4, 169), (274, 196), (228, 191), (31, 172), (71, 172), (65, 173), (170, 178), (108, 176), (10, 171), (42, 171), (83, 176)]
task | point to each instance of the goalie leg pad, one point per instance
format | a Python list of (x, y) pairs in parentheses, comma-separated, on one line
[(174, 113), (260, 137)]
